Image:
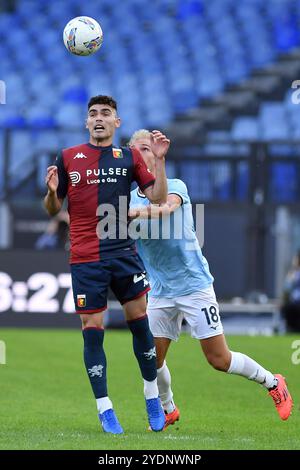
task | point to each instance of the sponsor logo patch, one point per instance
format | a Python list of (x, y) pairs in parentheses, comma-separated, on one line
[(75, 177)]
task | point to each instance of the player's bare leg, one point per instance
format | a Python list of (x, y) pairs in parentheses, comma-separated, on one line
[(144, 349), (92, 320), (95, 362), (164, 381), (216, 352), (221, 358), (136, 308)]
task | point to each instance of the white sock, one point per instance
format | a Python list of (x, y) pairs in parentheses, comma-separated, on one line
[(103, 404), (150, 389), (247, 367), (164, 388)]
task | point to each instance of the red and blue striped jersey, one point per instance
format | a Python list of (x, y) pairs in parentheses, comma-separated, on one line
[(97, 183)]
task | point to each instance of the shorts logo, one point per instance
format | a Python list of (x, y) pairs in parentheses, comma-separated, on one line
[(138, 277), (141, 277), (75, 177), (81, 300), (117, 153)]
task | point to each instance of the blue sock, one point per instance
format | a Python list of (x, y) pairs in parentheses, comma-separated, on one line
[(144, 348), (95, 360)]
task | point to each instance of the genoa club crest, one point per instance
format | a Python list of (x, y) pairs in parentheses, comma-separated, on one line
[(81, 300), (117, 153)]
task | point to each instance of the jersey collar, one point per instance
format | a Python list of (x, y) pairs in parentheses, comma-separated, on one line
[(96, 147)]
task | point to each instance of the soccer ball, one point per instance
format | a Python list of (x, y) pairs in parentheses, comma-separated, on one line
[(83, 36)]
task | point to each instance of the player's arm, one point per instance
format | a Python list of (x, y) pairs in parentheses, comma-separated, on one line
[(57, 183), (52, 202), (158, 192), (155, 211)]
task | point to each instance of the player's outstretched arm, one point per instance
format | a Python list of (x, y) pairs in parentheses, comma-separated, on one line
[(157, 194), (153, 211), (52, 203)]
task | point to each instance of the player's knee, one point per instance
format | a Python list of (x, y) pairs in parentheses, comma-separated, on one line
[(218, 362), (88, 321)]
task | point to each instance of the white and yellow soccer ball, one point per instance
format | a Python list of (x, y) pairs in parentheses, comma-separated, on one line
[(83, 36)]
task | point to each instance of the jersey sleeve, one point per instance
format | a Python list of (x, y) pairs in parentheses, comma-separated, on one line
[(133, 201), (62, 189), (141, 174), (179, 188)]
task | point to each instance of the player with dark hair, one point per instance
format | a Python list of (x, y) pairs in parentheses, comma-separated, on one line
[(96, 178), (182, 287)]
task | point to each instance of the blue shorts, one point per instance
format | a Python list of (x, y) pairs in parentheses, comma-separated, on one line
[(125, 276)]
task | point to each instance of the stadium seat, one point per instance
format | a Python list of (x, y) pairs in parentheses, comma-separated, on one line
[(245, 128), (158, 62), (284, 182)]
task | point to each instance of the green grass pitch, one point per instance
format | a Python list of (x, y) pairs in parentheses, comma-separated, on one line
[(46, 400)]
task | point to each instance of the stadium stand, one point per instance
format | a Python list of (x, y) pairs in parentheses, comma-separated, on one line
[(204, 70)]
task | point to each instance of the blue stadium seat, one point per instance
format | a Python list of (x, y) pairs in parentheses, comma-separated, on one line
[(70, 116), (13, 121), (284, 182), (185, 100), (42, 121), (245, 128), (75, 94)]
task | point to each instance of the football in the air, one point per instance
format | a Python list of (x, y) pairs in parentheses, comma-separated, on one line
[(83, 36)]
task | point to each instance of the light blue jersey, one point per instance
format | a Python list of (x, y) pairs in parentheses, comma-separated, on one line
[(174, 268)]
